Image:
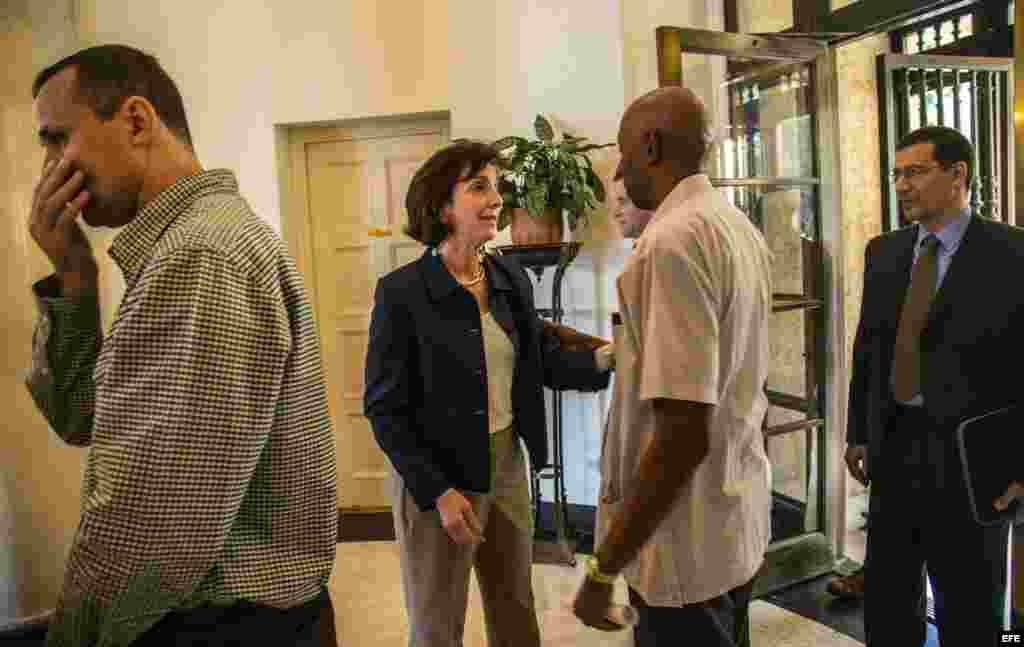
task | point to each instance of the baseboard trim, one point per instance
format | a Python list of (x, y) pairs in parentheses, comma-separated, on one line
[(365, 525)]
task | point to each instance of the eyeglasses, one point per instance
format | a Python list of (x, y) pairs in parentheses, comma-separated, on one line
[(911, 172)]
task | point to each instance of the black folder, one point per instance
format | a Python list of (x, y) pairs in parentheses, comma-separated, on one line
[(989, 447)]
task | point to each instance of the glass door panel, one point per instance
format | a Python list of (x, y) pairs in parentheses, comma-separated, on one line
[(766, 128)]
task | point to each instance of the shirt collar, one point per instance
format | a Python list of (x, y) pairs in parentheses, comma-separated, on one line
[(132, 245), (950, 235), (687, 188)]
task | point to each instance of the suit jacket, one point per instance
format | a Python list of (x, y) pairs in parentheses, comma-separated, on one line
[(426, 380), (972, 346)]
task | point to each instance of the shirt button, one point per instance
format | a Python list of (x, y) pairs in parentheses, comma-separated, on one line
[(480, 412)]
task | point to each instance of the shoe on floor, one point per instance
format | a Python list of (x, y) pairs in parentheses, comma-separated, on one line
[(848, 587)]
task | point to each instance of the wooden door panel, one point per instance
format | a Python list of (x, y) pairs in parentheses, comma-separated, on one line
[(354, 182)]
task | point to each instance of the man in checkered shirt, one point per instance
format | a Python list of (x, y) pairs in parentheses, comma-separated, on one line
[(209, 513)]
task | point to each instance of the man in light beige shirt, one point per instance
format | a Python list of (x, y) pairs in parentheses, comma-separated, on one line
[(685, 497)]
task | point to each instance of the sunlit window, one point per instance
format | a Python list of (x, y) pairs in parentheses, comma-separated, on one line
[(966, 25), (946, 33)]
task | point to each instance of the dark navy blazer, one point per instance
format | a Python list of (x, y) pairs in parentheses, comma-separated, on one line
[(426, 378)]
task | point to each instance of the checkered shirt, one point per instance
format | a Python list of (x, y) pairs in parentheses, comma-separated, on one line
[(211, 470)]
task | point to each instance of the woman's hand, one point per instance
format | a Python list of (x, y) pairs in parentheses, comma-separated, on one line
[(458, 518), (572, 339)]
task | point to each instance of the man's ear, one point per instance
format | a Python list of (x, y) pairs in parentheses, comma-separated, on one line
[(960, 170), (140, 118), (653, 146)]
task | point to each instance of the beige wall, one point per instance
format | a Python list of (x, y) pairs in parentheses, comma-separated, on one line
[(860, 172), (763, 16), (39, 476)]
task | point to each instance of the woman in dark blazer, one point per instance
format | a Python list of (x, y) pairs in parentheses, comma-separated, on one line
[(455, 367)]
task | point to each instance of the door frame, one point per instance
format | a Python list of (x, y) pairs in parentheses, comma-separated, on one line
[(292, 139), (803, 557)]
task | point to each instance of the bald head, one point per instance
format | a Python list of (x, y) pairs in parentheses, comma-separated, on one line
[(679, 119), (663, 138)]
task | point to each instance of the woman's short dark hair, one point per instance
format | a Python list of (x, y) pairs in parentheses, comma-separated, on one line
[(109, 74), (434, 183), (950, 147)]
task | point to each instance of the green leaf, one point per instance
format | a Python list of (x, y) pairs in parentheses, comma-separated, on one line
[(592, 147), (543, 129), (536, 199), (509, 199)]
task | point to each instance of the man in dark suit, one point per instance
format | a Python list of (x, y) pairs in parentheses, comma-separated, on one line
[(939, 341)]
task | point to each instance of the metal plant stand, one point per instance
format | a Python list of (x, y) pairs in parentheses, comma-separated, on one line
[(538, 258)]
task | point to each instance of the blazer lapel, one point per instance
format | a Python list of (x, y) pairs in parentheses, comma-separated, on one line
[(502, 293), (440, 283)]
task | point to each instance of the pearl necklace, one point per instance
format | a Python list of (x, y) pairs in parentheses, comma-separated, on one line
[(479, 272), (476, 279)]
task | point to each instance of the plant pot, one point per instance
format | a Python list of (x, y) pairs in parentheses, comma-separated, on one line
[(534, 230)]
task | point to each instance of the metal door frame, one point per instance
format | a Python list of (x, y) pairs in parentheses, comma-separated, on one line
[(809, 555)]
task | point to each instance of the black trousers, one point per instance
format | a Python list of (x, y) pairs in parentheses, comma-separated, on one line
[(719, 622), (244, 624), (920, 516)]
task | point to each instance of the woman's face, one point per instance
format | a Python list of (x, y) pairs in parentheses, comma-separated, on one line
[(472, 213)]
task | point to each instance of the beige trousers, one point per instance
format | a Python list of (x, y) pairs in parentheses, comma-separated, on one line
[(435, 570)]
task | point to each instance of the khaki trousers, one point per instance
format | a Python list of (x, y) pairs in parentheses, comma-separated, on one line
[(435, 570)]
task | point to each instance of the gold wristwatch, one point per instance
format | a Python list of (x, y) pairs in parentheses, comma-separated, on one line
[(594, 572)]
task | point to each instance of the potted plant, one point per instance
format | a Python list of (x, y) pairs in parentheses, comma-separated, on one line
[(543, 178)]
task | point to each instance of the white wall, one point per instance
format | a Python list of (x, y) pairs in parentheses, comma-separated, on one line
[(244, 66)]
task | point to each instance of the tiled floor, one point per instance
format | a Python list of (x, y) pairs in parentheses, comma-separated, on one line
[(813, 601), (367, 595), (368, 598)]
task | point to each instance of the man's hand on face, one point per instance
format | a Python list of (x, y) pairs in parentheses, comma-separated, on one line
[(57, 201)]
